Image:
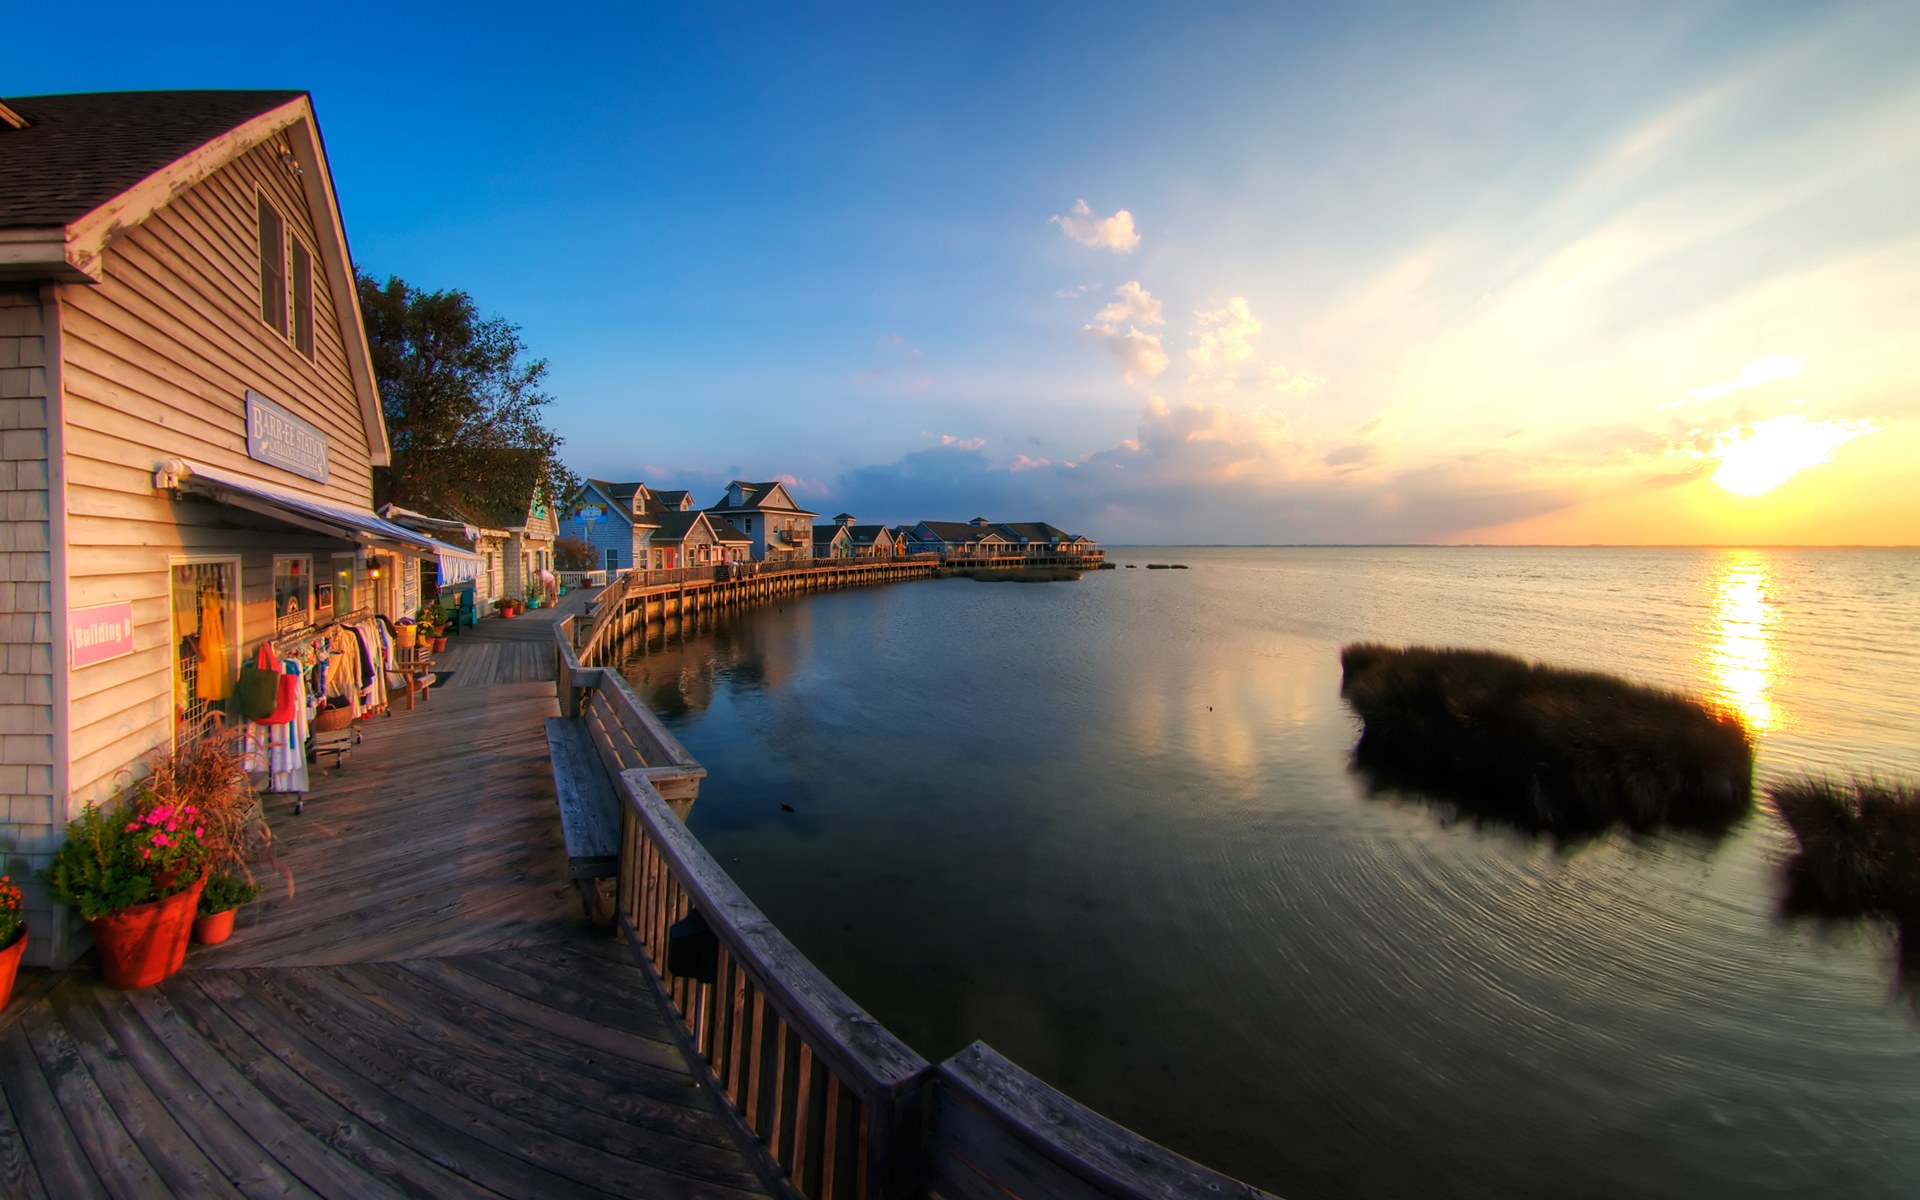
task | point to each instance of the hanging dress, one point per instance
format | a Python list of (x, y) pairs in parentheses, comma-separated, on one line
[(213, 679)]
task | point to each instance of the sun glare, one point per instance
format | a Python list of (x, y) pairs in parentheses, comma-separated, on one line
[(1757, 458)]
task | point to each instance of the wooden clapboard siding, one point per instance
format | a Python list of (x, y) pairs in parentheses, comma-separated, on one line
[(157, 360), (423, 1013)]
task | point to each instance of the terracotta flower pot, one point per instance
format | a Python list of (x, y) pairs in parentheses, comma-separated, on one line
[(440, 645), (142, 945), (10, 965), (214, 928)]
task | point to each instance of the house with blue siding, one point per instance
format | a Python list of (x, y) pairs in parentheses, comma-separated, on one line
[(617, 520), (781, 530)]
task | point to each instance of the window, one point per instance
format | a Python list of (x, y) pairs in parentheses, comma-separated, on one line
[(302, 299), (342, 584), (273, 268), (292, 591), (206, 640), (748, 522), (613, 559)]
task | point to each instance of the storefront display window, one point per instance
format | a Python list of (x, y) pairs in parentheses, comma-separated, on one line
[(206, 639), (293, 591)]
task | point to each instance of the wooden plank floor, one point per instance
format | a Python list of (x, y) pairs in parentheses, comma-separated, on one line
[(506, 650), (425, 1015)]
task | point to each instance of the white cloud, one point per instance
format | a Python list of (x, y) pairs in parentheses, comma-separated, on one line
[(1135, 303), (1755, 373), (1291, 383), (1141, 355), (1224, 340), (1024, 463), (972, 443), (1078, 289), (1116, 232)]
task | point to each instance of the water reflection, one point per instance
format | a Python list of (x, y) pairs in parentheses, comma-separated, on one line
[(1740, 664)]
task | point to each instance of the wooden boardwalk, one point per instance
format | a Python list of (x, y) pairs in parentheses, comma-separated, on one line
[(426, 1015)]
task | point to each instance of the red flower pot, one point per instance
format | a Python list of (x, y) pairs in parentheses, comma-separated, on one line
[(142, 945), (214, 928), (439, 645), (10, 965)]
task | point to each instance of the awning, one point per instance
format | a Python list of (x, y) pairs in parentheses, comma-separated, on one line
[(359, 525)]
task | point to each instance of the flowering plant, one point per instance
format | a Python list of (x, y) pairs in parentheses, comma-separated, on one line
[(170, 840), (11, 920)]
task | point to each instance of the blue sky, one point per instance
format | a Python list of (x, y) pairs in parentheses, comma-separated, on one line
[(1225, 273)]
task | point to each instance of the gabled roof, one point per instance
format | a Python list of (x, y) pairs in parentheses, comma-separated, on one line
[(1033, 531), (958, 531), (78, 152), (678, 526), (866, 535), (86, 168), (827, 535), (676, 500), (619, 499), (758, 497)]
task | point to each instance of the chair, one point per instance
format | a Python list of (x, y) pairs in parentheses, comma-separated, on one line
[(464, 613)]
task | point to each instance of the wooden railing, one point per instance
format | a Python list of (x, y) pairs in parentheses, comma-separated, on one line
[(834, 1105), (831, 1094)]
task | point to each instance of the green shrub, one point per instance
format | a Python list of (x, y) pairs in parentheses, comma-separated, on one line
[(1550, 749), (224, 892), (98, 871)]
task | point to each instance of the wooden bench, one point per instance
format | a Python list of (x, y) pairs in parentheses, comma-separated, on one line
[(589, 812)]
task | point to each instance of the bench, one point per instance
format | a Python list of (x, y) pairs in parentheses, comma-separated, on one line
[(589, 810)]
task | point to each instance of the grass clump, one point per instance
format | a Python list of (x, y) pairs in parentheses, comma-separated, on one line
[(1859, 847), (1548, 749), (1024, 575)]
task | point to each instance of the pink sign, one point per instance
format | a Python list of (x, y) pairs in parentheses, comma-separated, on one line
[(97, 634)]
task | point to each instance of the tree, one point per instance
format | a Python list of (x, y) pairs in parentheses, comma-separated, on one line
[(462, 402), (574, 554)]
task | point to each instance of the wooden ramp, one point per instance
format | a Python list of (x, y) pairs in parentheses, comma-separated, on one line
[(426, 1014)]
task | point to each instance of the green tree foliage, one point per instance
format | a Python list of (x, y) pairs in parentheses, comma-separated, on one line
[(574, 554), (462, 401)]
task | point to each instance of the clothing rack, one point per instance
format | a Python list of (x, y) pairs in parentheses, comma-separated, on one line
[(286, 643)]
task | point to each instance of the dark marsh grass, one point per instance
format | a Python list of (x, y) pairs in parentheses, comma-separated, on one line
[(1569, 752), (1859, 846), (1024, 575)]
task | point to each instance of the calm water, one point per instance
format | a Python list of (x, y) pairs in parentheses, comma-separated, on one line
[(1108, 828)]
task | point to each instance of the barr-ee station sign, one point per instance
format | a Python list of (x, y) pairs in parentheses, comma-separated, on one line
[(276, 436)]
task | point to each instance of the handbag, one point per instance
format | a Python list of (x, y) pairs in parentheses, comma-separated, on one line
[(286, 699), (256, 692)]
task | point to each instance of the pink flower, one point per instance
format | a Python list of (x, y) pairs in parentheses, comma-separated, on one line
[(132, 827), (160, 839), (199, 831)]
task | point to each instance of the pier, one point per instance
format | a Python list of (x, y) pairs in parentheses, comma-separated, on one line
[(426, 1011)]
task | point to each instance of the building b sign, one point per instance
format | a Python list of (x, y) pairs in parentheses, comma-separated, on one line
[(276, 436), (97, 634)]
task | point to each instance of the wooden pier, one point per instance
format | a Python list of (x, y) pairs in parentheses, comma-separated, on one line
[(426, 1012), (426, 1015)]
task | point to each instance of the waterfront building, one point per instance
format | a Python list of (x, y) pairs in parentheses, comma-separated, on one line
[(615, 519), (697, 539), (832, 541), (957, 539), (189, 430), (781, 531)]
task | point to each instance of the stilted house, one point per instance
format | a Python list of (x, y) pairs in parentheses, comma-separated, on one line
[(188, 433), (781, 530)]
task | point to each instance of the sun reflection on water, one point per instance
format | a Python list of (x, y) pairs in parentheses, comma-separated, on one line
[(1740, 662)]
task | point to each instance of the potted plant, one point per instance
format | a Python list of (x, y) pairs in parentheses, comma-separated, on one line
[(135, 867), (134, 871), (219, 901), (13, 936)]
